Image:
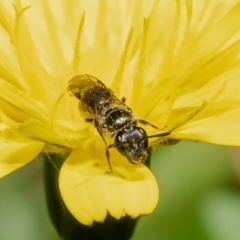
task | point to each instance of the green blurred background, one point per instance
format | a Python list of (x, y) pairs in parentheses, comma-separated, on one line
[(200, 197)]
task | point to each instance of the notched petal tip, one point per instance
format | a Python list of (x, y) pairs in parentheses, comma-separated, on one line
[(90, 193)]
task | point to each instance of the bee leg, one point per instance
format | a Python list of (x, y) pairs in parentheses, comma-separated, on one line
[(117, 145), (89, 120), (149, 124), (107, 151), (109, 162), (123, 99)]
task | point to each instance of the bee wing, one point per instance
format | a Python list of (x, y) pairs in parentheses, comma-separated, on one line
[(94, 97), (78, 85)]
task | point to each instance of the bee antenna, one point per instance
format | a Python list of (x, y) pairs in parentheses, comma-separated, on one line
[(155, 136), (159, 135)]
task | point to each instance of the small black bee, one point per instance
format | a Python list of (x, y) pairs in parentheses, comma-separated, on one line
[(112, 118)]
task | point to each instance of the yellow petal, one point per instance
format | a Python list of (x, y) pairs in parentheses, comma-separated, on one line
[(26, 104), (221, 129), (15, 154), (89, 193)]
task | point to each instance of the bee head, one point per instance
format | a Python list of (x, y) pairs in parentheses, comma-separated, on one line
[(133, 144)]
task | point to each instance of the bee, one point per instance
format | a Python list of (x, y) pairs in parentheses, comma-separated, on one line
[(112, 118)]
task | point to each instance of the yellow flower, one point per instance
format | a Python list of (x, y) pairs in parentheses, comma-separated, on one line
[(176, 62)]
